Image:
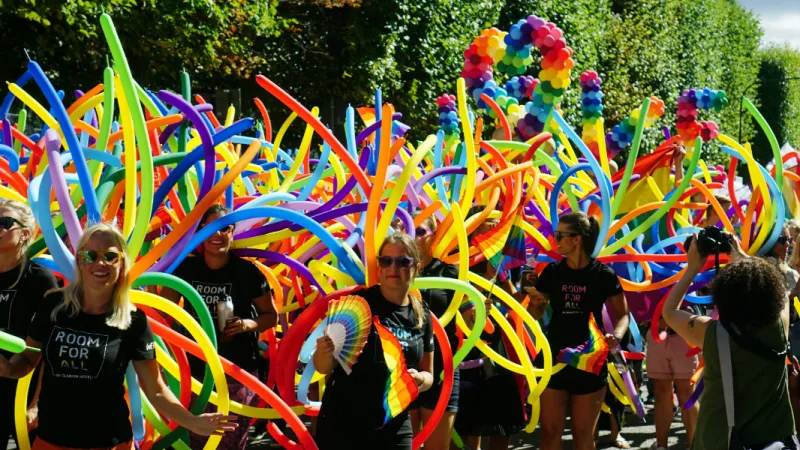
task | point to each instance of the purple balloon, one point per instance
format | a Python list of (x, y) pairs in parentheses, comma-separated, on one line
[(53, 145)]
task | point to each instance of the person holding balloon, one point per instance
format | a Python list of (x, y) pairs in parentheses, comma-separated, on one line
[(437, 301), (86, 334), (352, 414), (576, 287), (23, 284), (238, 297)]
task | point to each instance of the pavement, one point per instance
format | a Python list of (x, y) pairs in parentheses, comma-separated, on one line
[(640, 436)]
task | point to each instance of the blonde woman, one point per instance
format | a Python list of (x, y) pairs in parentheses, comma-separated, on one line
[(352, 407), (23, 284), (88, 332)]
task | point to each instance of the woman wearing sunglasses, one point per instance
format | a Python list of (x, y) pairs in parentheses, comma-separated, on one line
[(437, 301), (23, 284), (576, 287), (777, 256), (88, 332), (353, 407), (223, 279)]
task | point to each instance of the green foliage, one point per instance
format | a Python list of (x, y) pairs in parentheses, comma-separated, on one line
[(780, 98), (217, 41), (331, 53)]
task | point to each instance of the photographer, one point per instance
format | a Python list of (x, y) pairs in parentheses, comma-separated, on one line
[(758, 342)]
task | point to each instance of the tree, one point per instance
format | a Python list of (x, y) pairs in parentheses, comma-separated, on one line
[(218, 42), (780, 98)]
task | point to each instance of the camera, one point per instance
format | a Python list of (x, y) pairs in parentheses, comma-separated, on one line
[(711, 241)]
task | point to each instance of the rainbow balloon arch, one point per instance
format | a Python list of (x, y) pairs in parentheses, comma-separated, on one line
[(318, 222)]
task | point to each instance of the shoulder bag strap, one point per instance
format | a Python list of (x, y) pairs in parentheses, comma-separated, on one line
[(726, 369)]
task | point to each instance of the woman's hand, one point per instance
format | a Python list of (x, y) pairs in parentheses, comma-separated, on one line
[(212, 424), (612, 341), (737, 252), (236, 325), (325, 346), (695, 260), (419, 379), (32, 417)]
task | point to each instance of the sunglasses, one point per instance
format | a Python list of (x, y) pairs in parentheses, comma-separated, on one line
[(402, 262), (421, 232), (7, 223), (561, 234), (91, 256), (784, 240), (224, 230)]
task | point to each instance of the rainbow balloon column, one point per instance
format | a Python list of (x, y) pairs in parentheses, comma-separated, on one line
[(622, 135), (688, 103), (591, 109)]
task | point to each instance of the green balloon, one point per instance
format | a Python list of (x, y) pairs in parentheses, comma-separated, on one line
[(11, 343)]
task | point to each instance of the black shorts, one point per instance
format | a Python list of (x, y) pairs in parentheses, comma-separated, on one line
[(578, 382), (429, 398)]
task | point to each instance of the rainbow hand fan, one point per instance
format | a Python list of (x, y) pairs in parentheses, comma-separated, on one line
[(349, 321), (401, 389), (589, 356)]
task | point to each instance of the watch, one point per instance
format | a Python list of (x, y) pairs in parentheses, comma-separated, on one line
[(617, 337)]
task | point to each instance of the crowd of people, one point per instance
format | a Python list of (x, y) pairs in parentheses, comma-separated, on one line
[(82, 337)]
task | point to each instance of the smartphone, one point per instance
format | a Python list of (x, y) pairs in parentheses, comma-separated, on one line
[(528, 278)]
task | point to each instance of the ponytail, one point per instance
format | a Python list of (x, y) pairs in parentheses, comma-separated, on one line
[(591, 240), (588, 228), (419, 310)]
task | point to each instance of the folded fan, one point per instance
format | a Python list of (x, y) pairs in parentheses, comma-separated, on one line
[(349, 322)]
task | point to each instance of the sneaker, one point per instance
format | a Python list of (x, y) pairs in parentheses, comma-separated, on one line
[(655, 446)]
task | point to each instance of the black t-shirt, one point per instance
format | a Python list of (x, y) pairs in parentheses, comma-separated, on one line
[(438, 300), (573, 295), (243, 282), (359, 396), (20, 303), (82, 402)]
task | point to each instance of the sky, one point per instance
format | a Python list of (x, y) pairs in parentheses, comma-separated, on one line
[(779, 18)]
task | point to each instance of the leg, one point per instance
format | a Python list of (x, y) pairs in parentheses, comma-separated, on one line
[(663, 411), (689, 416), (472, 442), (585, 410), (554, 417), (416, 420), (440, 438), (498, 442)]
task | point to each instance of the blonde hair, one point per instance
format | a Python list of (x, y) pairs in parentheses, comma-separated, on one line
[(794, 261), (28, 222), (410, 247), (121, 304)]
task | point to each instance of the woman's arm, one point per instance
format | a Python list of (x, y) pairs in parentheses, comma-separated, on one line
[(620, 308), (424, 376), (164, 400), (170, 294), (23, 363), (689, 326)]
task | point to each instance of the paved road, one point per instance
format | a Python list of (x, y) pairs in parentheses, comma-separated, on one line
[(640, 435)]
